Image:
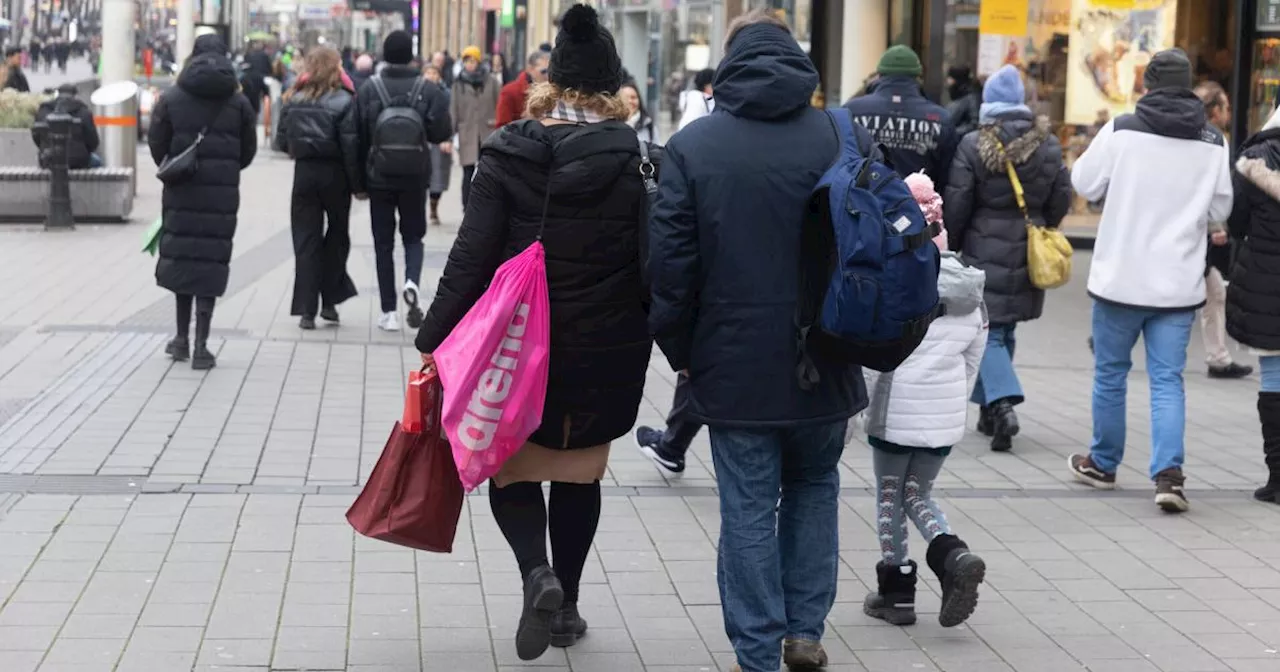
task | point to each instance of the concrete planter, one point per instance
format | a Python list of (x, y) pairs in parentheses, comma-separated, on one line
[(16, 148)]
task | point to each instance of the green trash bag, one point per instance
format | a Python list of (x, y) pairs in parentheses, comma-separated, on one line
[(151, 239)]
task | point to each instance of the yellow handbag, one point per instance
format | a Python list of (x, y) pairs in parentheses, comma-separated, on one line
[(1048, 250)]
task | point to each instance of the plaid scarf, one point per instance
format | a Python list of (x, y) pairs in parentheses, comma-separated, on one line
[(574, 114)]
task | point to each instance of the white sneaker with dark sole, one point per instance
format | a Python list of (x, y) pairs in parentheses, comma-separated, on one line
[(389, 322)]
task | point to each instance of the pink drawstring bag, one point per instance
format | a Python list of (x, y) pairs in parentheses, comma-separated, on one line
[(493, 368)]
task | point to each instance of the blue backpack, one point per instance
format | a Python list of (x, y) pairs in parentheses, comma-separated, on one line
[(872, 301)]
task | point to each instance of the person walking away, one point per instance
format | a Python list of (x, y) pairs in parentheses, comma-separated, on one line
[(83, 141), (472, 106), (33, 50), (15, 79), (916, 133), (320, 131), (441, 153), (988, 220), (730, 330), (646, 128), (62, 51), (1213, 320), (362, 71), (200, 213), (916, 415), (1253, 309), (966, 100), (401, 114), (574, 161), (511, 98), (1147, 273), (50, 55), (697, 102)]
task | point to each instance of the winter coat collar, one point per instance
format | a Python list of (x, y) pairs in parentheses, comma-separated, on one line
[(1174, 113), (1019, 150), (580, 158), (1263, 176)]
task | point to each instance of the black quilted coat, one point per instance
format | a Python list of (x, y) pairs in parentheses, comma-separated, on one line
[(599, 334), (1253, 297), (200, 214), (323, 129), (981, 212)]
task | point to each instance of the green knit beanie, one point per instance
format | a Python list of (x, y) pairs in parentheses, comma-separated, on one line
[(900, 60)]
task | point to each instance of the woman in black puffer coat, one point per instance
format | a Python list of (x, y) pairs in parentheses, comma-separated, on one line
[(1253, 297), (319, 129), (200, 214), (578, 152), (986, 224)]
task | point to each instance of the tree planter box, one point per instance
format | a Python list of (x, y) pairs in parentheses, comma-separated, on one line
[(17, 148)]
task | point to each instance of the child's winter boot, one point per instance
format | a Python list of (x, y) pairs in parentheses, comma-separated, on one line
[(960, 573), (895, 599)]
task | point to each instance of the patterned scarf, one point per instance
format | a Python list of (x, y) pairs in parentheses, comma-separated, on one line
[(574, 114)]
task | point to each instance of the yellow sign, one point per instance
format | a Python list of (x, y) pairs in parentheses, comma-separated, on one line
[(1003, 17)]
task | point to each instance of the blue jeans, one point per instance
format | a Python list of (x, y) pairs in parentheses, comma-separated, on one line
[(1115, 332), (1269, 365), (777, 563), (996, 378)]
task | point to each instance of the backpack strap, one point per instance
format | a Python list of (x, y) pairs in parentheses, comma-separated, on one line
[(380, 88), (416, 91)]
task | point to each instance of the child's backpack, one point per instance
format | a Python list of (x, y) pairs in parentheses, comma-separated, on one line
[(870, 304)]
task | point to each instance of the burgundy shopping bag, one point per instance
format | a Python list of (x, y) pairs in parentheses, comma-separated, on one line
[(413, 497)]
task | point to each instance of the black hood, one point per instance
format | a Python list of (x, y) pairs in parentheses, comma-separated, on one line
[(765, 75), (582, 159), (1173, 113), (209, 75)]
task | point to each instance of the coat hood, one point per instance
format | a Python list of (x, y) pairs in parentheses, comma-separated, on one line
[(1174, 113), (1014, 135), (960, 286), (1260, 161), (209, 75), (581, 159), (765, 75)]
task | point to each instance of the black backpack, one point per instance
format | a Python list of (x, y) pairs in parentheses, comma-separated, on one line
[(398, 147)]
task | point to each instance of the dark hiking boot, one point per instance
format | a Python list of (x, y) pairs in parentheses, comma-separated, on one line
[(1004, 420), (895, 598), (330, 314), (960, 573), (543, 597), (1085, 471), (649, 441), (985, 426), (307, 323), (567, 627), (179, 349), (1230, 371), (803, 654), (1269, 414), (202, 359), (1169, 495)]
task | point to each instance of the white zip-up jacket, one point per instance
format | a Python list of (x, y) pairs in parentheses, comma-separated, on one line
[(924, 403), (1165, 174)]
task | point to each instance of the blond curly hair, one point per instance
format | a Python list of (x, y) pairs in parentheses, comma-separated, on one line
[(544, 96)]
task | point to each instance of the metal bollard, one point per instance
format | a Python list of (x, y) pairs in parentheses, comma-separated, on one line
[(55, 149)]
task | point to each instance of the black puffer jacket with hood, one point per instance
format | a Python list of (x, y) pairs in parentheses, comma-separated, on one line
[(726, 246), (200, 214), (324, 128), (984, 222), (1253, 297), (594, 240)]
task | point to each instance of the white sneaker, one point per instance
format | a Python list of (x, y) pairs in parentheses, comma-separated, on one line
[(389, 322), (414, 315)]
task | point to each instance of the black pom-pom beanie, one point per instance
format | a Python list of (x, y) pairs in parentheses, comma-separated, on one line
[(585, 57)]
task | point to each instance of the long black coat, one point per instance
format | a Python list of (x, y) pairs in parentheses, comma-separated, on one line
[(599, 341), (200, 214), (982, 216), (1253, 297)]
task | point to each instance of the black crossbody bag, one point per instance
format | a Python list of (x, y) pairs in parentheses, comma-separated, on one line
[(184, 165)]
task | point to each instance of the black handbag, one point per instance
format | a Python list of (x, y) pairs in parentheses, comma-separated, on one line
[(184, 165)]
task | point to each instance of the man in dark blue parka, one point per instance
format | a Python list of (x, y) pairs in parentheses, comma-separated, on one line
[(725, 262)]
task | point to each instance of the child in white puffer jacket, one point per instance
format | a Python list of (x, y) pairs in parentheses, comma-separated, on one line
[(916, 414)]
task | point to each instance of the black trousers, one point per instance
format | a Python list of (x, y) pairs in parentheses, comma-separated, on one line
[(412, 206), (468, 172), (320, 191), (680, 429)]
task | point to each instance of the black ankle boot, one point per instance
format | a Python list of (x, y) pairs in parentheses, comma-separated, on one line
[(1269, 414), (543, 597), (984, 421), (178, 348), (567, 626), (201, 358), (1004, 425), (960, 573), (895, 598)]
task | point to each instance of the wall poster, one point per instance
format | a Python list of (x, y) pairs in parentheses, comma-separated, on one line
[(1112, 42)]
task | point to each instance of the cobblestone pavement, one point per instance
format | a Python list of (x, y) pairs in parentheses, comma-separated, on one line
[(155, 519)]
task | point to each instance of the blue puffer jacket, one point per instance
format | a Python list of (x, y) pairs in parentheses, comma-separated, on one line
[(917, 133), (725, 242)]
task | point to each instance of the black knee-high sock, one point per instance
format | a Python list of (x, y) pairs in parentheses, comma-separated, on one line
[(521, 514), (183, 302), (575, 514)]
